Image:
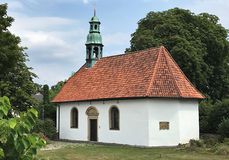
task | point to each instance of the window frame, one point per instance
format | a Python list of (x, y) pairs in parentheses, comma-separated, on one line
[(113, 121), (74, 121)]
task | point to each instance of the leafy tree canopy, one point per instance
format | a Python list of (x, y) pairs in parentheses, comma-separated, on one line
[(16, 79), (198, 43)]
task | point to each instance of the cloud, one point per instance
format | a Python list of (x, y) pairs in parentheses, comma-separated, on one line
[(40, 23), (85, 1), (114, 39), (54, 1), (219, 8), (55, 45), (50, 73)]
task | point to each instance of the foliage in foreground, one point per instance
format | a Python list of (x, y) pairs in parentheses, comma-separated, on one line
[(16, 140)]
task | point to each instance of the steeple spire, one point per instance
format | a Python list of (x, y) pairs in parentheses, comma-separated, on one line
[(94, 46), (94, 10)]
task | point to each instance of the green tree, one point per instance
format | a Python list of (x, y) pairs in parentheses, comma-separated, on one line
[(16, 140), (55, 89), (198, 43), (50, 108), (16, 79)]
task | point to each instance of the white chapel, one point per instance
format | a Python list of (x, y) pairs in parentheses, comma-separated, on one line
[(140, 98)]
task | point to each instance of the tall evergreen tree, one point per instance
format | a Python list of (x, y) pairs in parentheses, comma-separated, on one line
[(46, 99), (46, 102), (198, 43), (16, 78)]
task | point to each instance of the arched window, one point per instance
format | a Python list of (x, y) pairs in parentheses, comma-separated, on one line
[(74, 118), (114, 118)]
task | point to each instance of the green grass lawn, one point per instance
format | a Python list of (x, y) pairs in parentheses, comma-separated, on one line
[(74, 151)]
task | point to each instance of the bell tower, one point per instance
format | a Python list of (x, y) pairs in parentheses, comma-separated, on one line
[(94, 46)]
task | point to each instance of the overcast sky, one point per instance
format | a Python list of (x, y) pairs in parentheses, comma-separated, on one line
[(55, 30)]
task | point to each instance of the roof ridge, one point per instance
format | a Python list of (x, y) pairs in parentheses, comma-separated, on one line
[(179, 91), (141, 50), (184, 74), (154, 72), (132, 52)]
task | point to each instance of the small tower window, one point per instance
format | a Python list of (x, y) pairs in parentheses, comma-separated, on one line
[(91, 26), (96, 26), (96, 52)]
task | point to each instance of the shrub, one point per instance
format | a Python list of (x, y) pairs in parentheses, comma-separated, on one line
[(47, 127), (222, 149), (195, 143), (219, 112), (223, 128), (226, 141), (210, 139), (204, 112)]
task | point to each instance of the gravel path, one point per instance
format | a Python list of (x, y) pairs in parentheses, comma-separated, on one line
[(58, 144)]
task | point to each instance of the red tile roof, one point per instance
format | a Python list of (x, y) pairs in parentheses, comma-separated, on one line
[(146, 73)]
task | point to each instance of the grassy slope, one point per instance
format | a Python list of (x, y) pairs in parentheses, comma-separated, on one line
[(103, 152)]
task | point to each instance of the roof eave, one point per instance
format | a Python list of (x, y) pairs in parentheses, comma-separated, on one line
[(128, 98)]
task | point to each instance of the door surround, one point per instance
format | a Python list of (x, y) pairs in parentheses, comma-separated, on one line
[(92, 113)]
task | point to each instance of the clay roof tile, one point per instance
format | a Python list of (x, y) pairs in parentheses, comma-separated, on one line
[(147, 73)]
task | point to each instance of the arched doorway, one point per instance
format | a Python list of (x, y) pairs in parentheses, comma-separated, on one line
[(92, 114)]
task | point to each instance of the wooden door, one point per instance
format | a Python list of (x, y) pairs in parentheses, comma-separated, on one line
[(93, 129)]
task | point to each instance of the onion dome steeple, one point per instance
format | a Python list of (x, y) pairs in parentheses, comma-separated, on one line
[(94, 46)]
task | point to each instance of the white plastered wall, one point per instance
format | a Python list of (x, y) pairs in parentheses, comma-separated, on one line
[(139, 121), (163, 111), (189, 120), (133, 122)]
